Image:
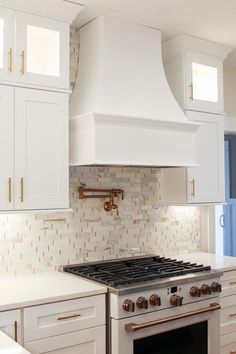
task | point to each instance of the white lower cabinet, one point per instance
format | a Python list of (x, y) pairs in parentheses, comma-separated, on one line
[(228, 313), (88, 341), (204, 183), (66, 327), (10, 324)]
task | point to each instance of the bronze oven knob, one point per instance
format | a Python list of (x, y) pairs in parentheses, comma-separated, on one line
[(128, 305), (216, 287), (195, 291), (155, 300), (142, 303), (176, 300), (205, 289)]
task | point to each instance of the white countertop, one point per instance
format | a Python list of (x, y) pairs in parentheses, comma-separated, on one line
[(9, 346), (28, 290), (217, 262)]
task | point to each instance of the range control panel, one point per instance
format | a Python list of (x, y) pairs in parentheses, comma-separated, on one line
[(163, 298)]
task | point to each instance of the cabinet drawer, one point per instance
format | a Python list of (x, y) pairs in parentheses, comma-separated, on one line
[(228, 349), (63, 317), (229, 283), (228, 314), (88, 341)]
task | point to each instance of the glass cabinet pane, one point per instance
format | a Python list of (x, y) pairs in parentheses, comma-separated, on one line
[(205, 82), (1, 43), (43, 51)]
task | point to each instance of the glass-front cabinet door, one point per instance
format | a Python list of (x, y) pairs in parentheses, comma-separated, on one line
[(204, 82), (42, 47), (6, 44)]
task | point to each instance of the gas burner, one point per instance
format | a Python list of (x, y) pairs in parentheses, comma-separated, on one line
[(132, 271)]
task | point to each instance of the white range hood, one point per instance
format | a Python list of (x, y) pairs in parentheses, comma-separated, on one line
[(122, 110)]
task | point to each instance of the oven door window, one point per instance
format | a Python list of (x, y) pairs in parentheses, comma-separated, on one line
[(186, 340)]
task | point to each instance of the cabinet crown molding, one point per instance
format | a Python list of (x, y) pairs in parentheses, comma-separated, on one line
[(184, 42), (55, 9)]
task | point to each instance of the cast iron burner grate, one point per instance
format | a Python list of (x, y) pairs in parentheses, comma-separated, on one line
[(119, 273)]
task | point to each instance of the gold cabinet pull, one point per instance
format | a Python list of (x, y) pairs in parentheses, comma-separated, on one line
[(22, 189), (191, 91), (9, 189), (232, 282), (10, 67), (193, 194), (15, 331), (233, 314), (22, 70), (66, 317)]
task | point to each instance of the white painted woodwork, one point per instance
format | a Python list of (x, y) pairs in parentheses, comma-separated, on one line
[(6, 43), (7, 147), (228, 313), (122, 109), (180, 53), (89, 341), (45, 43), (41, 152), (7, 323), (204, 183), (44, 321), (62, 10)]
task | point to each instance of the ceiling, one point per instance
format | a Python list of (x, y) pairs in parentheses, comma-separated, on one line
[(213, 20)]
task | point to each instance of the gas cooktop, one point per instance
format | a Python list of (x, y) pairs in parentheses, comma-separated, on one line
[(133, 271)]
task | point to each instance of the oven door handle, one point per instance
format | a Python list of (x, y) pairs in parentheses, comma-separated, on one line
[(132, 327)]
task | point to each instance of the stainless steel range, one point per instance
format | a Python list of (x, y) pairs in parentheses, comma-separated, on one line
[(158, 305)]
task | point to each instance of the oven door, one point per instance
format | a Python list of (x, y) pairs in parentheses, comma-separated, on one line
[(191, 329)]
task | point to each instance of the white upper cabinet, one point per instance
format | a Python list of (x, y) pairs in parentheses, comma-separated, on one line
[(7, 147), (205, 182), (194, 70), (34, 149), (7, 48), (41, 150), (42, 51), (204, 83), (34, 50)]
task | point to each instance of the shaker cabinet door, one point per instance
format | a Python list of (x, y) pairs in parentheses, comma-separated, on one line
[(7, 48), (206, 182), (7, 147), (42, 51), (10, 324), (88, 341), (41, 150)]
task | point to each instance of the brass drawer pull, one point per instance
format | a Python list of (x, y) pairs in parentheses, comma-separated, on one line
[(132, 327), (66, 317), (191, 91), (9, 189), (15, 331), (22, 70), (10, 60), (22, 189), (232, 314), (193, 188), (232, 282)]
